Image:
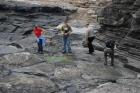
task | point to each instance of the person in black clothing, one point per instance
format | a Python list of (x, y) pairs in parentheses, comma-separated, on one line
[(90, 36), (109, 51), (90, 45)]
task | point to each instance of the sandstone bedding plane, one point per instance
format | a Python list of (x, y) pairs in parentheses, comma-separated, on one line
[(22, 70)]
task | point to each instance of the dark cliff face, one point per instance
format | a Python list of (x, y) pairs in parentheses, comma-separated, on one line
[(121, 21), (26, 7)]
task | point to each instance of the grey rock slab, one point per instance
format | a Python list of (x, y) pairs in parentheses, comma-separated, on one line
[(21, 59), (18, 57), (72, 89), (130, 82), (28, 83), (8, 49), (114, 88), (42, 69), (67, 73), (98, 71)]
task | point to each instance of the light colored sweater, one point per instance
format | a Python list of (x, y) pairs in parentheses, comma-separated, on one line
[(90, 32)]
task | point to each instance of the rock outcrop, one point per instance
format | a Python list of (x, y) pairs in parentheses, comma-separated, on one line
[(29, 6), (23, 70), (120, 20)]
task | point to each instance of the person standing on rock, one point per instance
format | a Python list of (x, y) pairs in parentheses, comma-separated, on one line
[(66, 32), (90, 36), (38, 31), (109, 51)]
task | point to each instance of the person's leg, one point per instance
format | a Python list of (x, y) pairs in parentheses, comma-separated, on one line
[(112, 58), (64, 44), (105, 56), (90, 46), (40, 45), (69, 45)]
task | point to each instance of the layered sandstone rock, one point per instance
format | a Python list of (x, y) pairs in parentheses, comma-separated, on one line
[(121, 21)]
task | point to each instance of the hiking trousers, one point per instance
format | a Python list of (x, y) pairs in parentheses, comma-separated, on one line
[(40, 46), (66, 44), (90, 45), (109, 52)]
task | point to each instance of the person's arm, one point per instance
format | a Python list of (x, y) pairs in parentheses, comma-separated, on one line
[(44, 32), (70, 31), (87, 34), (62, 30)]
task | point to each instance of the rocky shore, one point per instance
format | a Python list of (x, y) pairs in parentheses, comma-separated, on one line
[(22, 70), (120, 20)]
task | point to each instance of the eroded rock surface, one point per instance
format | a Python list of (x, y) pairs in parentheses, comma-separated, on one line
[(120, 20), (23, 70)]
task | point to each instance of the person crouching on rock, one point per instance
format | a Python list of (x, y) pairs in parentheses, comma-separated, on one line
[(38, 31), (66, 32), (109, 51), (90, 36)]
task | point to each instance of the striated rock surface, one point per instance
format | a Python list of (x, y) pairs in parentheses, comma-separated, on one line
[(23, 70), (120, 20), (25, 6), (115, 88)]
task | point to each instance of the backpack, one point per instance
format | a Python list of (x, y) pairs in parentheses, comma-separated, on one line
[(110, 44), (66, 31)]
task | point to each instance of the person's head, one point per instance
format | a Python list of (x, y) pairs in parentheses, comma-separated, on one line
[(36, 26), (66, 20), (50, 38), (87, 24), (113, 41)]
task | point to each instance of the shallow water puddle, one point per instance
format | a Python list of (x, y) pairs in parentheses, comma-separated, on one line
[(60, 59)]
